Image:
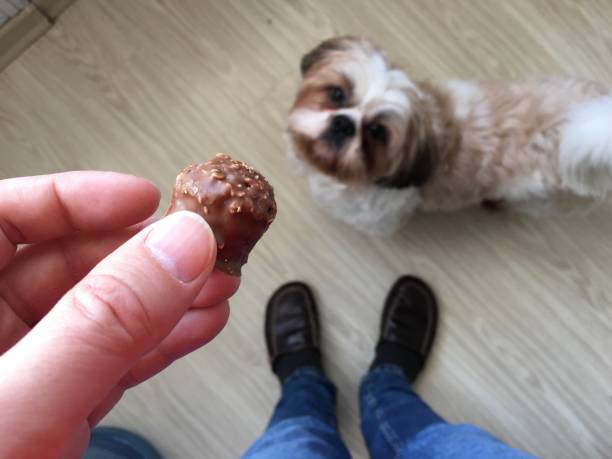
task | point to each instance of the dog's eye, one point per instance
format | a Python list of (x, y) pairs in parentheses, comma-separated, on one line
[(336, 96), (377, 131)]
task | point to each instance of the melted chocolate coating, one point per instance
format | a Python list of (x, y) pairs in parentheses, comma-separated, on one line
[(236, 201)]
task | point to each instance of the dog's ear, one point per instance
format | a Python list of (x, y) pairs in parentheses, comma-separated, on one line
[(420, 155), (318, 53), (415, 175), (422, 167)]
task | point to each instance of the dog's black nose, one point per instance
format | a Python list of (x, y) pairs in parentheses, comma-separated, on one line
[(341, 127)]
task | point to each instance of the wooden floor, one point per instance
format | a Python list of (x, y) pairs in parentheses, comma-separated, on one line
[(146, 86)]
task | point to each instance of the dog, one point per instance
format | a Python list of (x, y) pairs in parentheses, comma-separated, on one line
[(378, 146)]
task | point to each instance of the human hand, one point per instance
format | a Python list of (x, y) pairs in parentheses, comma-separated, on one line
[(93, 302)]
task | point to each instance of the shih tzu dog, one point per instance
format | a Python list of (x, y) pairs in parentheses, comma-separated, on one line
[(379, 146)]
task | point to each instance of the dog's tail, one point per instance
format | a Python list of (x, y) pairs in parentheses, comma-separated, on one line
[(586, 148)]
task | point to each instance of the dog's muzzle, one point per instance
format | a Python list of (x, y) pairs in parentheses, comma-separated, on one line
[(340, 130)]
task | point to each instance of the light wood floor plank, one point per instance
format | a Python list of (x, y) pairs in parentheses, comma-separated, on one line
[(146, 86)]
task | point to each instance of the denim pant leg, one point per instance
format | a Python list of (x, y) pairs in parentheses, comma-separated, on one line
[(391, 412), (397, 424), (303, 425)]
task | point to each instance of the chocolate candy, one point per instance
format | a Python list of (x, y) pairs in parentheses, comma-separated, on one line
[(236, 201)]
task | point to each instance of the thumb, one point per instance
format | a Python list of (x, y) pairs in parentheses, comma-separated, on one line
[(61, 370)]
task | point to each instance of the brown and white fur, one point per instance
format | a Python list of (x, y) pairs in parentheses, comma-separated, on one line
[(380, 147)]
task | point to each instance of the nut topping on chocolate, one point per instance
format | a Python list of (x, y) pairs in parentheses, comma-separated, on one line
[(236, 201)]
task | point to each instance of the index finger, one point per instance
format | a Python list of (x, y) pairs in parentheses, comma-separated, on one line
[(34, 209)]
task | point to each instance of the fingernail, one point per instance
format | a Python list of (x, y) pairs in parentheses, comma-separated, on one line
[(183, 244)]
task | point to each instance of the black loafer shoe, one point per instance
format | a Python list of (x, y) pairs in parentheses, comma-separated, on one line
[(410, 316), (292, 322)]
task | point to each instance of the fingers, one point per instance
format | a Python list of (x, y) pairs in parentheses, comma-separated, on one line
[(194, 330), (34, 209), (77, 444), (119, 312), (41, 274), (106, 405), (12, 328), (219, 287)]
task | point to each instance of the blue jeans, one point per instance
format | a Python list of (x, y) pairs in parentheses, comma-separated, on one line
[(395, 423)]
